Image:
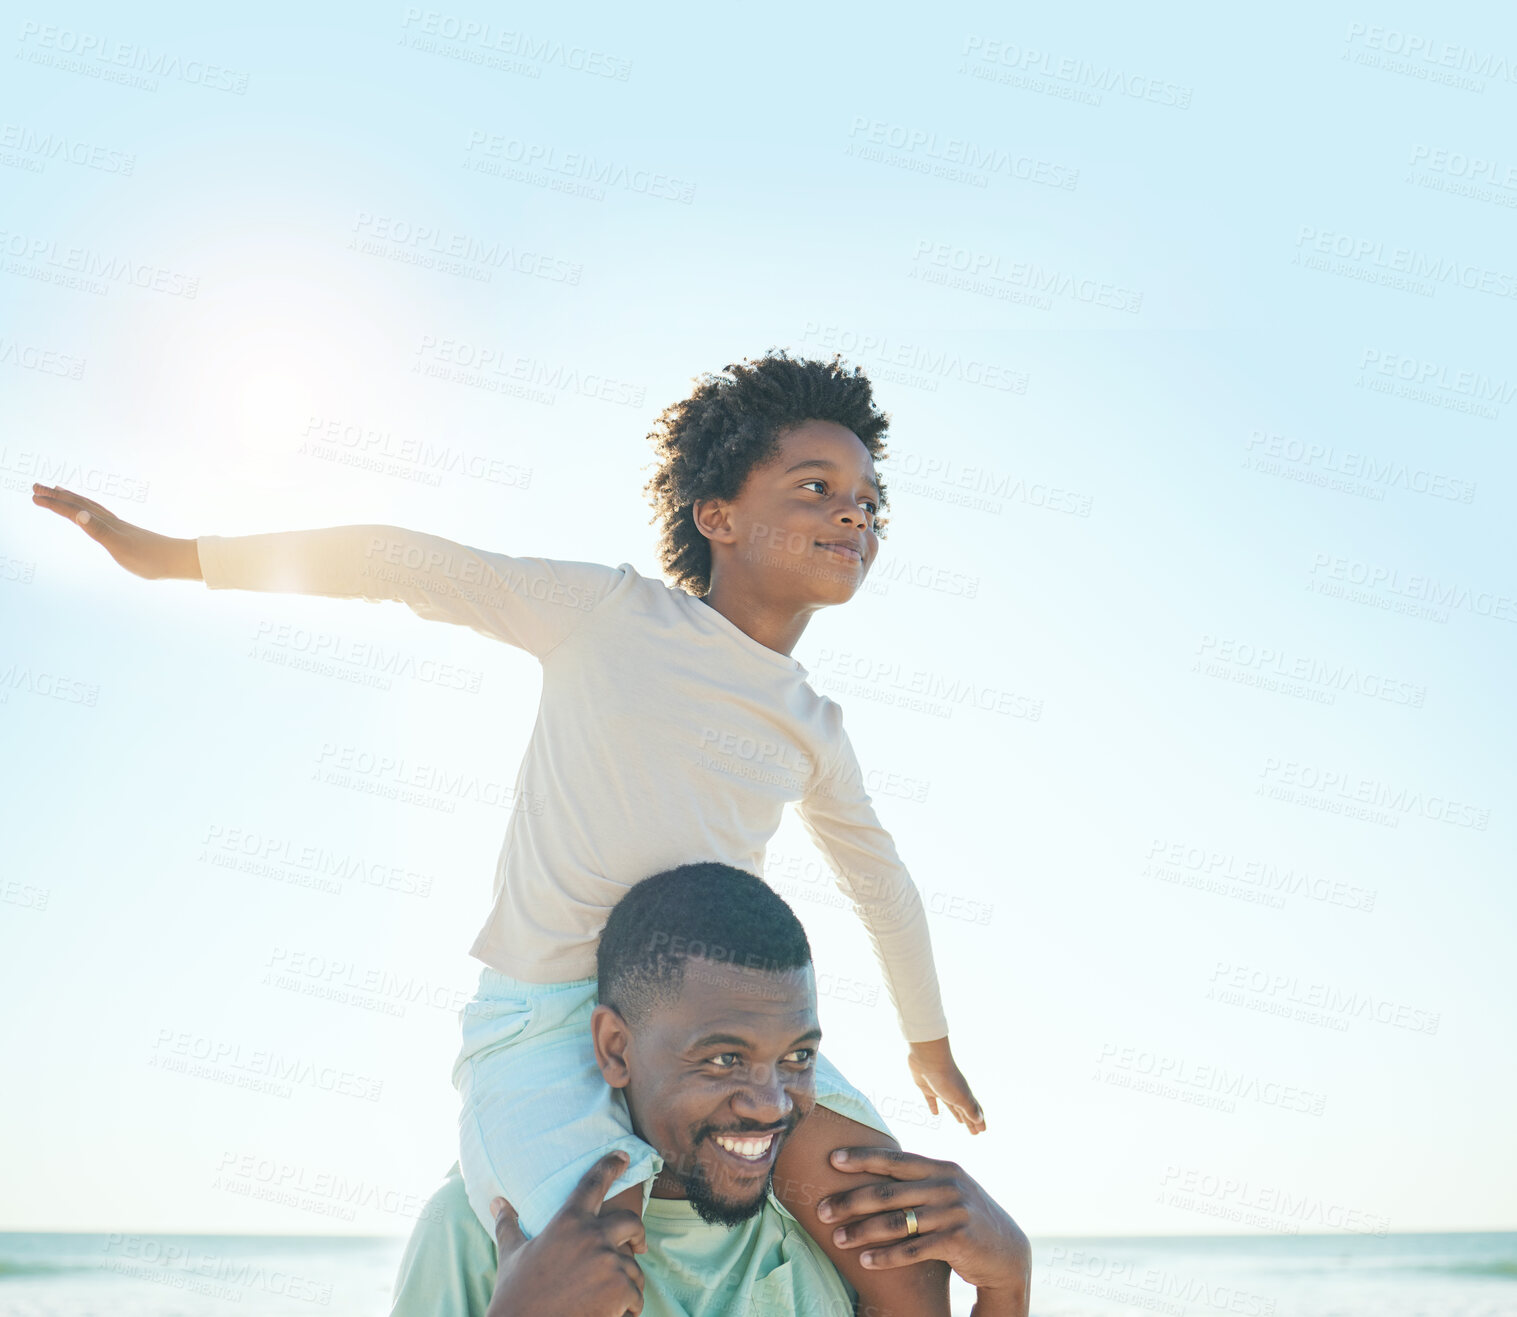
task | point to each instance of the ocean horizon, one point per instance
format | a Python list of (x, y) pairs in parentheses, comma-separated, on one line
[(1435, 1274)]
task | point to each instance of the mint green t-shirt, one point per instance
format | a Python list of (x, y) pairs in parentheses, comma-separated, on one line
[(768, 1266)]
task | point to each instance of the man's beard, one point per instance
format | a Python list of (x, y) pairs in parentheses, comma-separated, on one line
[(701, 1194)]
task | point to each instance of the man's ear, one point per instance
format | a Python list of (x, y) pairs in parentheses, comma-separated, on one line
[(713, 519), (612, 1039)]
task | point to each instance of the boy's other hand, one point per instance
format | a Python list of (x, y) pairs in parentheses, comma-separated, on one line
[(942, 1082), (142, 552)]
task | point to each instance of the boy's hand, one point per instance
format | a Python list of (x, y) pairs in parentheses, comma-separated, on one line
[(142, 552), (941, 1080)]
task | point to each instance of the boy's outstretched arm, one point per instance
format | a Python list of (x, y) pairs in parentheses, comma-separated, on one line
[(142, 552), (532, 603), (839, 816)]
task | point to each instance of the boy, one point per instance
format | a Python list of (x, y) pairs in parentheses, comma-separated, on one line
[(673, 727)]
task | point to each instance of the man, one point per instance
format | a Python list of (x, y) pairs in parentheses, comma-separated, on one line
[(712, 1047)]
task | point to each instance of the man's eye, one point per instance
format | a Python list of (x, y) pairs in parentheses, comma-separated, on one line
[(806, 1054), (808, 483), (732, 1057)]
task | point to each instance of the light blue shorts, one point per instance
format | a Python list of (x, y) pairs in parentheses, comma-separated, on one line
[(537, 1112)]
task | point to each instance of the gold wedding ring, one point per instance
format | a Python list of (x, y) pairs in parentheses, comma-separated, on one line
[(911, 1222)]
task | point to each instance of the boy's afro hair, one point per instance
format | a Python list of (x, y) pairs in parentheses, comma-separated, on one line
[(709, 442)]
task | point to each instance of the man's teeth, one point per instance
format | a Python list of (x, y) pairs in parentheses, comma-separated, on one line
[(752, 1149)]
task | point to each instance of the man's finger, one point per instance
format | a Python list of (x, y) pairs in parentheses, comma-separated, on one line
[(618, 1228), (633, 1273), (886, 1161), (908, 1251), (590, 1192), (888, 1197), (890, 1227)]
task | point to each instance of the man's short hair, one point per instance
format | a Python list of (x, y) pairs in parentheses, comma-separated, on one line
[(707, 911)]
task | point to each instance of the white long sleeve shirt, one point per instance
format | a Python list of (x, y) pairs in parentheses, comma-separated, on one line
[(664, 736)]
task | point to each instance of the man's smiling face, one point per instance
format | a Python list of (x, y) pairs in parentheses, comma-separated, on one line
[(716, 1079)]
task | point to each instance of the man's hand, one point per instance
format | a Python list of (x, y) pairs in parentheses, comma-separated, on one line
[(142, 552), (581, 1265), (940, 1079), (957, 1222)]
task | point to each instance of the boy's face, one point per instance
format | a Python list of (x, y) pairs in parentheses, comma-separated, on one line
[(803, 522)]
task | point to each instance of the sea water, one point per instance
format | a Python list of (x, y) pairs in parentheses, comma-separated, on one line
[(1433, 1275)]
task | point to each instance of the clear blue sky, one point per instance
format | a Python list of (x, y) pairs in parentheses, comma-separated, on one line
[(1202, 539)]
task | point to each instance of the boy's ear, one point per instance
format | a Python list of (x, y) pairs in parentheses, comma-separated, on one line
[(713, 520), (612, 1039)]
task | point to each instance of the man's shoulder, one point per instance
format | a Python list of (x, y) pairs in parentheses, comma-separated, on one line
[(448, 1269)]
